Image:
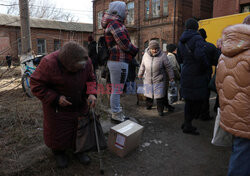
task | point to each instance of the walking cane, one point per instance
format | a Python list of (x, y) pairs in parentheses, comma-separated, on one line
[(97, 141)]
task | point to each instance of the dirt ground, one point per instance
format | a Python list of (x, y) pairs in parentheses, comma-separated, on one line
[(164, 149)]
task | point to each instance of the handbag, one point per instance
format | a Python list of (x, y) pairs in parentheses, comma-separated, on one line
[(220, 136), (85, 136)]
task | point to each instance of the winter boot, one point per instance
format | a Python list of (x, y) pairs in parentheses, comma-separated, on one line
[(61, 159), (160, 106), (189, 129), (83, 158), (118, 117), (170, 108), (149, 103)]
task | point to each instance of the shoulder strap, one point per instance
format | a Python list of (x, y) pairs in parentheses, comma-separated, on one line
[(188, 48)]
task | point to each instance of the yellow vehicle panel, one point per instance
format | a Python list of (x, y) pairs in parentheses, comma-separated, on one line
[(215, 26)]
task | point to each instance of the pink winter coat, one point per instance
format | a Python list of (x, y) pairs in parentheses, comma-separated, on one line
[(233, 80)]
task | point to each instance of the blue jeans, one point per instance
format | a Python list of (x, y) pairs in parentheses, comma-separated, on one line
[(118, 76), (239, 164)]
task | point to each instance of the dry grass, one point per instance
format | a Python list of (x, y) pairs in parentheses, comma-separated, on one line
[(20, 119)]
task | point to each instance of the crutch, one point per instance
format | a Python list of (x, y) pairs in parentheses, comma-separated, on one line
[(97, 141)]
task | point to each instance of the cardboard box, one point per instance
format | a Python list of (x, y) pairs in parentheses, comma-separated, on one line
[(124, 137)]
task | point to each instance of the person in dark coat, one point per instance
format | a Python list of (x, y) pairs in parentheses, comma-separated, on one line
[(213, 57), (8, 60), (60, 82), (171, 49), (130, 86), (194, 79), (219, 45), (92, 51)]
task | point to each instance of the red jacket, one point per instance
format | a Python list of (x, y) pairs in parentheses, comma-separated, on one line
[(48, 82)]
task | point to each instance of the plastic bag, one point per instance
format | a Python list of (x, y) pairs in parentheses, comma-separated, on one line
[(220, 136), (172, 92)]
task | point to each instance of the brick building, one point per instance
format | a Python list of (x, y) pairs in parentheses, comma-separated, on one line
[(162, 20), (46, 35), (229, 7)]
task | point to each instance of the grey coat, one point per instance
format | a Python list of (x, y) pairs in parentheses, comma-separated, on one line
[(155, 69)]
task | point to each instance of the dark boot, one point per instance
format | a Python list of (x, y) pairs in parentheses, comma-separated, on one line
[(149, 103), (189, 129), (61, 159), (183, 125), (170, 108), (83, 158), (160, 106)]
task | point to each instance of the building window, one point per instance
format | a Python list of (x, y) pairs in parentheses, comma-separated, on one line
[(130, 17), (145, 44), (245, 8), (99, 16), (57, 44), (164, 45), (156, 8), (147, 9), (165, 7), (19, 46), (41, 46), (85, 44)]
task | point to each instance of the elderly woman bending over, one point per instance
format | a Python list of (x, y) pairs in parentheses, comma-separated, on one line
[(154, 67)]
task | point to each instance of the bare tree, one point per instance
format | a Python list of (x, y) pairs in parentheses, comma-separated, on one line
[(43, 9)]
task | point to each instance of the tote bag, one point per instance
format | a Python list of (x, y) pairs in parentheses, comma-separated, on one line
[(85, 137), (220, 136)]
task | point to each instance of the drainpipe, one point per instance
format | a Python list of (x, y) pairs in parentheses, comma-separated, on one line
[(174, 21), (94, 19), (139, 30)]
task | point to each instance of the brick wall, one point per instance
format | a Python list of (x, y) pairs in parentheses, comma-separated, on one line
[(228, 7), (13, 33), (225, 7), (162, 28)]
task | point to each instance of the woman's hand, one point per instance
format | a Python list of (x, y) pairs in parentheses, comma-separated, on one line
[(91, 101), (63, 101)]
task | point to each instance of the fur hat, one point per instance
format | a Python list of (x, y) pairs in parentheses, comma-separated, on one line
[(73, 56), (118, 8), (153, 44), (191, 23)]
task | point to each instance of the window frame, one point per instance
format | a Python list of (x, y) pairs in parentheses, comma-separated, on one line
[(164, 43), (243, 6), (85, 44), (155, 4), (38, 45), (146, 43), (19, 46), (165, 13), (99, 19), (133, 17), (147, 9), (58, 44)]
